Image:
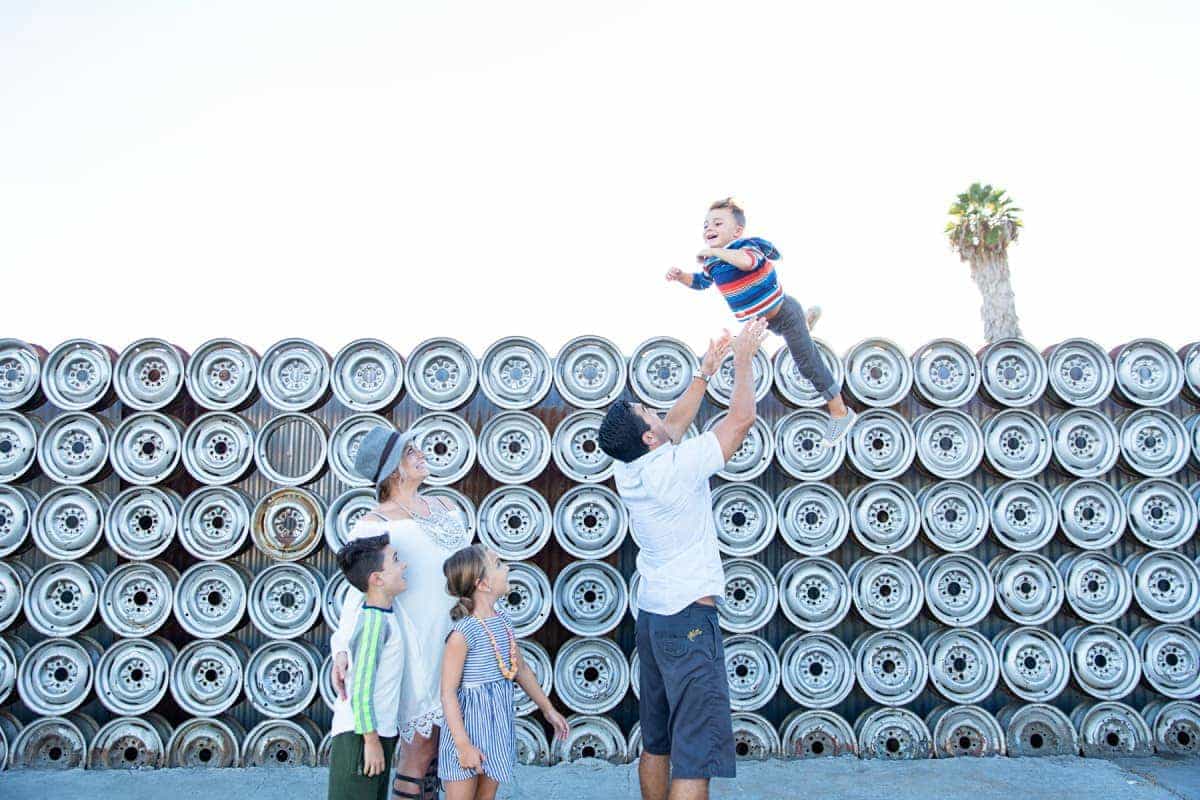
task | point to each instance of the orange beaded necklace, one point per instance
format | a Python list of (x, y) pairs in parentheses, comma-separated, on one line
[(508, 672)]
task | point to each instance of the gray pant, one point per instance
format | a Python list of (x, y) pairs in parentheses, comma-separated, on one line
[(789, 323)]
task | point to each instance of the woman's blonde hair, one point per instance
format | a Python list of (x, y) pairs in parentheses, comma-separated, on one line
[(463, 570)]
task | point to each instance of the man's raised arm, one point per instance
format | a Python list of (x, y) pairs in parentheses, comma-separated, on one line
[(732, 429), (684, 411)]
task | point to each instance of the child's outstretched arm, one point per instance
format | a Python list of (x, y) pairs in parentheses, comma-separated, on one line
[(692, 280), (453, 659), (528, 681)]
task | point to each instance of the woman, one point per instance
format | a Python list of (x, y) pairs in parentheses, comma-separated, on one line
[(426, 532)]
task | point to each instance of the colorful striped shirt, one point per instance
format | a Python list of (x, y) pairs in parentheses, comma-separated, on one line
[(376, 659), (750, 293)]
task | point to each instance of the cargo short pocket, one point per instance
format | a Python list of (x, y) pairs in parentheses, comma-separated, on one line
[(680, 637)]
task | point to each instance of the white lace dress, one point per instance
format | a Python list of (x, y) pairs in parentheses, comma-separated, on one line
[(423, 611)]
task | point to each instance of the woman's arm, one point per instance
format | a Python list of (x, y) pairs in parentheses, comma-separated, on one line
[(452, 667)]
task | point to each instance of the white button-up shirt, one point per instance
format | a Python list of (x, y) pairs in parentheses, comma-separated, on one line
[(670, 516)]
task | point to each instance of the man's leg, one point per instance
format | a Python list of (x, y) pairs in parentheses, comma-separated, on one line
[(689, 789), (654, 767), (654, 775)]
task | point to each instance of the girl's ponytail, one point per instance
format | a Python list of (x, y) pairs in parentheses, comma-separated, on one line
[(463, 570)]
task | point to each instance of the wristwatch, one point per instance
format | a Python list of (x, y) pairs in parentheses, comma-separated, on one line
[(701, 376)]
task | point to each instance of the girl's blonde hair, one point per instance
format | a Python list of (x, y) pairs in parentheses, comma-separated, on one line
[(463, 570)]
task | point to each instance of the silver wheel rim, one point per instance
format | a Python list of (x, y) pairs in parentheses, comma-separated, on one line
[(751, 596), (214, 522), (533, 749), (1023, 515), (73, 448), (449, 447), (56, 675), (590, 372), (576, 449), (1017, 443), (13, 577), (147, 447), (281, 678), (16, 518), (958, 589), (752, 669), (133, 675), (62, 597), (18, 444), (800, 449), (954, 514), (816, 668), (206, 743), (529, 598), (207, 676), (1038, 730), (150, 374), (660, 370), (303, 444), (752, 456), (1079, 373), (949, 443), (1161, 513), (288, 524), (1091, 514), (798, 390), (945, 373), (514, 447), (813, 518), (1033, 663), (441, 374), (963, 666), (344, 442), (12, 652), (515, 373), (1028, 588), (745, 519), (816, 733), (294, 374), (590, 522), (815, 593), (1171, 657), (344, 513), (895, 734), (888, 592), (1189, 356), (878, 373), (1104, 661), (590, 736), (141, 522), (591, 675), (754, 738), (720, 387), (884, 516), (334, 597), (635, 667), (514, 521), (136, 599), (54, 743), (538, 660), (281, 743), (1099, 589), (218, 448), (965, 731), (285, 600), (69, 521), (590, 598), (210, 598), (1166, 585), (1154, 443), (222, 374), (20, 373), (1111, 729), (367, 375), (78, 374), (890, 666), (1148, 373), (881, 444), (1014, 374), (1175, 726)]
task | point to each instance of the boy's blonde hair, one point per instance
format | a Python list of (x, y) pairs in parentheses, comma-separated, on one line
[(739, 216)]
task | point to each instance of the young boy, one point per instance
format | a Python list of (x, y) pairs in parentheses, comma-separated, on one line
[(744, 271), (364, 725)]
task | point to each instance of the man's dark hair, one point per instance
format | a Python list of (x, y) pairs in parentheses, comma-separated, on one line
[(621, 433), (360, 557)]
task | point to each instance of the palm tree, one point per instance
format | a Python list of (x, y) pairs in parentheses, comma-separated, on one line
[(983, 222)]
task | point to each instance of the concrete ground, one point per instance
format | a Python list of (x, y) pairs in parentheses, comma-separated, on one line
[(826, 779)]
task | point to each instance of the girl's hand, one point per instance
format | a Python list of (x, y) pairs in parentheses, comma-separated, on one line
[(675, 274), (559, 723), (470, 756)]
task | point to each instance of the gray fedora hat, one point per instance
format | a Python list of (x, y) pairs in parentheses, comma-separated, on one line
[(380, 452)]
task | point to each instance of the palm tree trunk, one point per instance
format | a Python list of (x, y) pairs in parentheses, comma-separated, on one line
[(999, 309)]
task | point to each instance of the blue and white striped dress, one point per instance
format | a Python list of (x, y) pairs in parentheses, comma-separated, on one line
[(485, 697)]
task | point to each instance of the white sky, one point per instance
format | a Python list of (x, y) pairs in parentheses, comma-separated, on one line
[(481, 169)]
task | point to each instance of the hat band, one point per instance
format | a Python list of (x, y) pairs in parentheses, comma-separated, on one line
[(393, 437)]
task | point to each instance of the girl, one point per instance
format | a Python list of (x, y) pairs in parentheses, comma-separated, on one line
[(480, 663)]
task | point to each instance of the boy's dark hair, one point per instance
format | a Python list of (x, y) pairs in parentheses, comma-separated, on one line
[(621, 433), (739, 216), (360, 557)]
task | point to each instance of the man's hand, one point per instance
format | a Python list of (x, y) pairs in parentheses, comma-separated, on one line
[(372, 755), (340, 664), (717, 350), (749, 339)]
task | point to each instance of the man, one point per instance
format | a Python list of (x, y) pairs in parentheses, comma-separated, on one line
[(687, 728)]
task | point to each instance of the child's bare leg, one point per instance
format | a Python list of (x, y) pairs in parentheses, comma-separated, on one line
[(460, 790), (487, 788)]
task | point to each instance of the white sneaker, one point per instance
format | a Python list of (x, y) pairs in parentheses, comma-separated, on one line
[(839, 427), (811, 316)]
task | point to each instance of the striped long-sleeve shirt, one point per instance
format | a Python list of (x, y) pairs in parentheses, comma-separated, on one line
[(750, 293), (374, 675)]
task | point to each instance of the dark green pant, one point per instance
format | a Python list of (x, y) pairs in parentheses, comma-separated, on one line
[(346, 779)]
